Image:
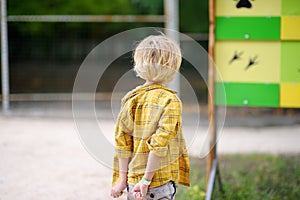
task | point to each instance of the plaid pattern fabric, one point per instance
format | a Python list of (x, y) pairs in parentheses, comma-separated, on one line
[(150, 120)]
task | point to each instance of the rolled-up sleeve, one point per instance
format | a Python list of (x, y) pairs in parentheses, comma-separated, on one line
[(123, 137), (167, 127)]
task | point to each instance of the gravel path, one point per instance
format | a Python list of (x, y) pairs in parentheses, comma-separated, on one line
[(43, 158)]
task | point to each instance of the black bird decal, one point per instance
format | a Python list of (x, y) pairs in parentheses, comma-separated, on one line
[(252, 62), (236, 56)]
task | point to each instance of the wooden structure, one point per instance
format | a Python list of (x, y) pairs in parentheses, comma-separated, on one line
[(256, 46), (212, 170)]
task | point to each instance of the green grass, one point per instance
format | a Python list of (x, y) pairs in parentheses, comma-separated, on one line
[(253, 177)]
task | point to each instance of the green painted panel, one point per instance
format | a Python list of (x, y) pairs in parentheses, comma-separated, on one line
[(290, 62), (249, 28), (248, 94), (290, 7)]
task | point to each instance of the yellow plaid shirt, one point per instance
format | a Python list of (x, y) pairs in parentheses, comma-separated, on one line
[(150, 121)]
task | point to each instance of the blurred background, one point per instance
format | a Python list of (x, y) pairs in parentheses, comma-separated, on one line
[(45, 57)]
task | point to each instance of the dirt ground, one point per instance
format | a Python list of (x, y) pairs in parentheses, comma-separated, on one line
[(42, 158)]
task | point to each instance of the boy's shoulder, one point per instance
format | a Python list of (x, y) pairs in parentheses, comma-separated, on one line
[(164, 93)]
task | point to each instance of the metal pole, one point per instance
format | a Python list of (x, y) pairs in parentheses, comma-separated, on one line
[(4, 58), (85, 18), (211, 182), (171, 10)]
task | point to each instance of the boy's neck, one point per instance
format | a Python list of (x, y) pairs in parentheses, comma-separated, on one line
[(151, 82)]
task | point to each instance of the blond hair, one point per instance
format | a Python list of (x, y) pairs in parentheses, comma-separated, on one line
[(157, 58)]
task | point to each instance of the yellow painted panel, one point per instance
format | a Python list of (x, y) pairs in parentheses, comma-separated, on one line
[(290, 95), (290, 27), (258, 8), (248, 61)]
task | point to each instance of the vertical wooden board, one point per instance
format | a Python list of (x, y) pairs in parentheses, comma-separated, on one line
[(248, 7), (290, 7), (248, 94), (290, 27), (290, 61), (248, 61), (248, 28), (290, 95)]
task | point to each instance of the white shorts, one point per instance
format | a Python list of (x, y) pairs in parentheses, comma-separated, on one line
[(163, 192)]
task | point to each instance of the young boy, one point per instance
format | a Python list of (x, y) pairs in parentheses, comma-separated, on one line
[(150, 153)]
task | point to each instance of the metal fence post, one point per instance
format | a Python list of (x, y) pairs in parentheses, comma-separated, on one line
[(171, 10), (4, 58)]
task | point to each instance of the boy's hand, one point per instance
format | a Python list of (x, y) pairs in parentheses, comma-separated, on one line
[(139, 191), (117, 190)]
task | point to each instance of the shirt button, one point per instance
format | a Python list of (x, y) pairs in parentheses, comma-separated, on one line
[(152, 195)]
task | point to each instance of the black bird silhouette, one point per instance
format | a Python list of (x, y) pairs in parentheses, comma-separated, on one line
[(236, 56), (252, 62), (243, 4)]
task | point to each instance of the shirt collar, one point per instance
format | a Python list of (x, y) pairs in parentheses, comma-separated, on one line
[(145, 88)]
